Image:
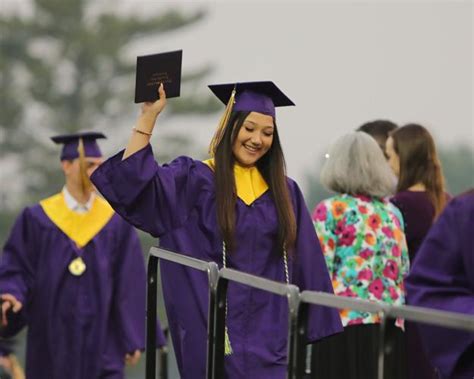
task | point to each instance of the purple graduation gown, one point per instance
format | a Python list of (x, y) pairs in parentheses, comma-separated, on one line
[(442, 277), (79, 327), (5, 348), (176, 202), (418, 214)]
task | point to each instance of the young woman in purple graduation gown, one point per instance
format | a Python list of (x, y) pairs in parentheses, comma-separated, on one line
[(420, 197), (237, 208)]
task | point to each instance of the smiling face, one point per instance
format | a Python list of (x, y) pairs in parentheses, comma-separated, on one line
[(254, 139)]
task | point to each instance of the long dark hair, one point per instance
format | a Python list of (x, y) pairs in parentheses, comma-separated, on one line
[(419, 163), (273, 169)]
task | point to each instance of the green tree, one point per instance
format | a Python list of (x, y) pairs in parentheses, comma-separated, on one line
[(66, 67), (458, 168)]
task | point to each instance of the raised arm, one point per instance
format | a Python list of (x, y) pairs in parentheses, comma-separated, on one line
[(154, 198), (143, 130)]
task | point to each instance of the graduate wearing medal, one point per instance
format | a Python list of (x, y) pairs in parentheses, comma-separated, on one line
[(238, 209), (67, 272)]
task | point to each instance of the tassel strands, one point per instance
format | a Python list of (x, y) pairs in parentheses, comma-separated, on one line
[(85, 181), (227, 344), (218, 135)]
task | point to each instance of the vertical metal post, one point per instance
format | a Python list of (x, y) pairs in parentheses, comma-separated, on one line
[(219, 329), (309, 355), (213, 276), (300, 341), (381, 358), (164, 357), (293, 305), (152, 289)]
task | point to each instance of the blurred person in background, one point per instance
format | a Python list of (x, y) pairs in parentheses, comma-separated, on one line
[(379, 130), (363, 241), (442, 277), (421, 193), (238, 209), (9, 366), (421, 197), (72, 270)]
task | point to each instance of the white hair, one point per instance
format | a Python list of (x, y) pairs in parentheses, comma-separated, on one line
[(356, 165)]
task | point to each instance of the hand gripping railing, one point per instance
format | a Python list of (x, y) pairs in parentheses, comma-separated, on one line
[(152, 288), (225, 275), (419, 314)]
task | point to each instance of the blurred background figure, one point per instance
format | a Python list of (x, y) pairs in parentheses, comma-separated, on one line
[(73, 271), (442, 277), (10, 368), (379, 130), (363, 241), (421, 193), (421, 197)]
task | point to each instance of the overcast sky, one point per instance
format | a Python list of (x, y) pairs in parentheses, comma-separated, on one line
[(342, 62)]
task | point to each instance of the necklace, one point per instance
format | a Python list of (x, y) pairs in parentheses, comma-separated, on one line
[(227, 345)]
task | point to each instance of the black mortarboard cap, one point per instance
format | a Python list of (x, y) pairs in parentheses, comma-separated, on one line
[(155, 69), (260, 97)]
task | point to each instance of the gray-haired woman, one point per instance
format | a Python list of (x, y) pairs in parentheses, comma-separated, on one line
[(362, 237)]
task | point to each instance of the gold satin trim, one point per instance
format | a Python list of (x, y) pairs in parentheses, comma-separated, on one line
[(248, 180), (79, 227)]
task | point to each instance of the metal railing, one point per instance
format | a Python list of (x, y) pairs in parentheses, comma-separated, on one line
[(325, 299), (210, 268), (411, 313), (298, 305)]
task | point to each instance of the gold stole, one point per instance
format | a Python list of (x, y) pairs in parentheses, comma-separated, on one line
[(249, 182), (79, 227)]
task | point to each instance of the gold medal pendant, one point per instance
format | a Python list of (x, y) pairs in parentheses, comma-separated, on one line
[(77, 267)]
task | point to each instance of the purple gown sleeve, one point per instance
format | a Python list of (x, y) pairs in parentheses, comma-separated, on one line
[(126, 331), (5, 349), (154, 198), (17, 268), (310, 272), (442, 277), (130, 292)]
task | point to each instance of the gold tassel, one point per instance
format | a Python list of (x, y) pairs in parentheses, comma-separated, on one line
[(85, 181), (227, 345), (222, 124)]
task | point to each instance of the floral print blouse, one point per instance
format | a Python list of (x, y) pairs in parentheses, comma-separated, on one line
[(364, 244)]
